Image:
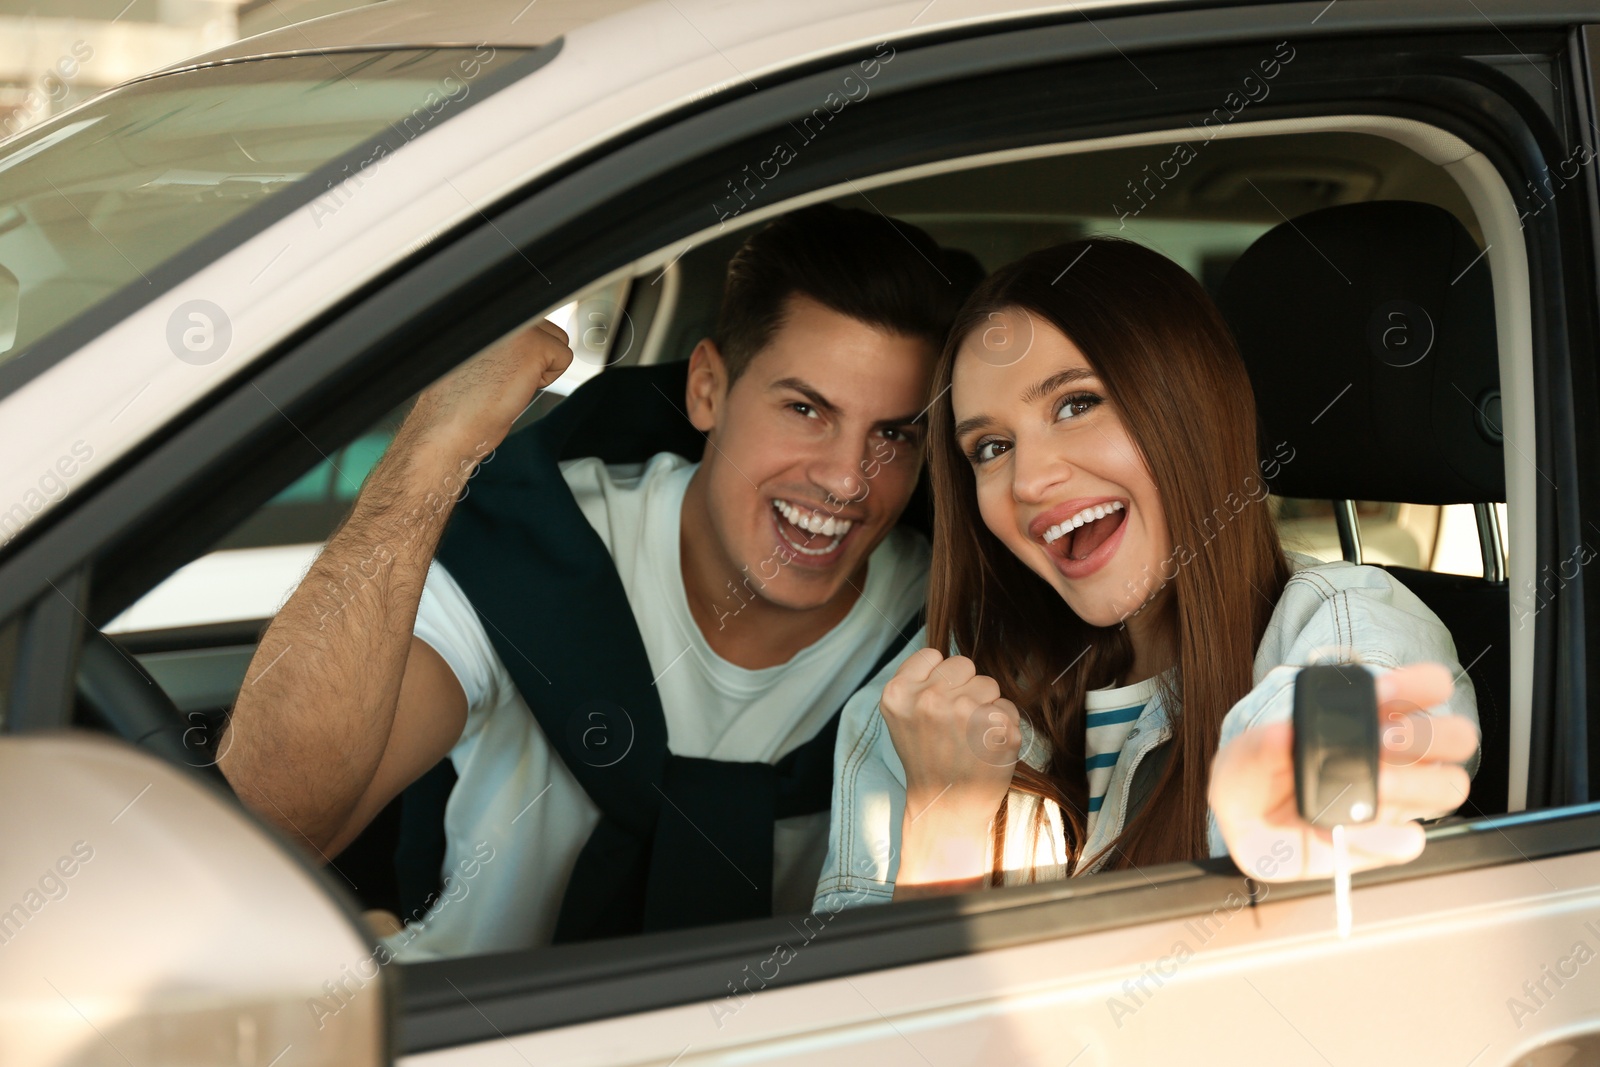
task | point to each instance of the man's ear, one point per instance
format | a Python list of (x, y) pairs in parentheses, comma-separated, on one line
[(707, 391)]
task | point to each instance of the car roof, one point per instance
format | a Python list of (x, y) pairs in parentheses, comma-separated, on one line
[(515, 24), (419, 24)]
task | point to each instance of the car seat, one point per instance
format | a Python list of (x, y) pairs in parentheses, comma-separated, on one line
[(1369, 334)]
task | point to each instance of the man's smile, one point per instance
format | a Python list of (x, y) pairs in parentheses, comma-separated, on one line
[(817, 537)]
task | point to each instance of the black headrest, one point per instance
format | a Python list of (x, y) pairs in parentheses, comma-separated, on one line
[(1368, 330)]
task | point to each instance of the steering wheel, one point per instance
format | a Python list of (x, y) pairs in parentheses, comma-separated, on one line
[(122, 697)]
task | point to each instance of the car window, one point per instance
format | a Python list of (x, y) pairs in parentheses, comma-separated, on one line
[(252, 570), (97, 198), (9, 632), (1432, 537)]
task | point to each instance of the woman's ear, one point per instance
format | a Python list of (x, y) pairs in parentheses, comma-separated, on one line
[(707, 390)]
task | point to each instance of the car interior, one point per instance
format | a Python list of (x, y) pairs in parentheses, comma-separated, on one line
[(1423, 499)]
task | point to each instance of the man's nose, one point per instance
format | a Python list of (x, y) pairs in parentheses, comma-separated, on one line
[(836, 470)]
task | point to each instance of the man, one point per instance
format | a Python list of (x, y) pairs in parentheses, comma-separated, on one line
[(624, 764)]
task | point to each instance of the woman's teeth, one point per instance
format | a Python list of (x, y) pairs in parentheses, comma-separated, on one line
[(1087, 515), (814, 524)]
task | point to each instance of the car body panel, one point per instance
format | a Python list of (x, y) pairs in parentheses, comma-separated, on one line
[(1269, 983), (417, 23)]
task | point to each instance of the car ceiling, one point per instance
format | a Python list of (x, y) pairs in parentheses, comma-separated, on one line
[(1248, 179)]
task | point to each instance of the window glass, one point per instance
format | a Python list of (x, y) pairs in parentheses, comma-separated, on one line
[(96, 199), (1457, 551), (256, 566), (1427, 537)]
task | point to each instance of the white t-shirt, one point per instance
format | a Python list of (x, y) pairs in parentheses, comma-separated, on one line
[(517, 818)]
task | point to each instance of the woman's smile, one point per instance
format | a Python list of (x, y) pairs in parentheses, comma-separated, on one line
[(1081, 536)]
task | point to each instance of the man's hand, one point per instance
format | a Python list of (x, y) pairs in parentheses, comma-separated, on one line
[(346, 707), (1419, 776), (959, 740), (473, 406)]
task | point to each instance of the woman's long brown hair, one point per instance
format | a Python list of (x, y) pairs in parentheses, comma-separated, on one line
[(1172, 373)]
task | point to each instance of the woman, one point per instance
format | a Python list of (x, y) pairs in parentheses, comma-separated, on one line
[(1128, 626)]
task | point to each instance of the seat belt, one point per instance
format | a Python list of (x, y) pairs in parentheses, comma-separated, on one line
[(681, 841)]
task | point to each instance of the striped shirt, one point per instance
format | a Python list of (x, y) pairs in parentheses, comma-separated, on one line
[(1110, 715)]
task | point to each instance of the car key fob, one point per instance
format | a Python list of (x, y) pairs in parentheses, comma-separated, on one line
[(1336, 744)]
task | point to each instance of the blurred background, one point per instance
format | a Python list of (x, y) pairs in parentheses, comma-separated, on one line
[(54, 54)]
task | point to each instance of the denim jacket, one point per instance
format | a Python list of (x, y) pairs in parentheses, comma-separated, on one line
[(1329, 612)]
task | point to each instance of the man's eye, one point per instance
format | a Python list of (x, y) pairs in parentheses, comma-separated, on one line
[(1075, 405), (802, 409)]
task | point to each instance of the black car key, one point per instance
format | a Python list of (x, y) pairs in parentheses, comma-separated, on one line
[(1336, 742)]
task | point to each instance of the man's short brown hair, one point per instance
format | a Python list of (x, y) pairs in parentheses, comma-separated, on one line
[(861, 264)]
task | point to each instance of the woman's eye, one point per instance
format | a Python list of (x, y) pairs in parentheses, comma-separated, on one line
[(1076, 405), (988, 449)]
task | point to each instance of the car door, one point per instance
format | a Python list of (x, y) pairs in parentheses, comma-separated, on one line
[(1482, 935), (1488, 945)]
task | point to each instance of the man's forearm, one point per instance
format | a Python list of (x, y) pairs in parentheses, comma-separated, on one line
[(315, 713)]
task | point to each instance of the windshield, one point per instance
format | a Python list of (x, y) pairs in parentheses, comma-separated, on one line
[(104, 195)]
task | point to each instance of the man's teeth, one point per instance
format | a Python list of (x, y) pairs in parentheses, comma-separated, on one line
[(1087, 515), (811, 522)]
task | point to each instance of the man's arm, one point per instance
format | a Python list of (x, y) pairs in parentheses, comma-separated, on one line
[(342, 707)]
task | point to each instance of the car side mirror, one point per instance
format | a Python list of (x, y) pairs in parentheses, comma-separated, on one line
[(146, 919)]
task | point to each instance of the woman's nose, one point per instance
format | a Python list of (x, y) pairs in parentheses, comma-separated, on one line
[(1037, 473)]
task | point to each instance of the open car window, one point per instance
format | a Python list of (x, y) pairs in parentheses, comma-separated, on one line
[(996, 213)]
